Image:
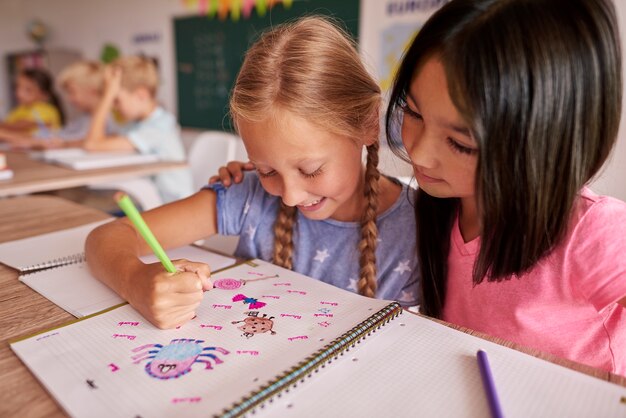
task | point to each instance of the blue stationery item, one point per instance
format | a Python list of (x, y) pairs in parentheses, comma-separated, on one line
[(489, 385)]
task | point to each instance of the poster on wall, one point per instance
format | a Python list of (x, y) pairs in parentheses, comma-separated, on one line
[(386, 29)]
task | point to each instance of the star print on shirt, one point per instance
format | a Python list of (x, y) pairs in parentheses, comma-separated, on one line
[(250, 232), (353, 285), (321, 255), (402, 267), (406, 296), (246, 208)]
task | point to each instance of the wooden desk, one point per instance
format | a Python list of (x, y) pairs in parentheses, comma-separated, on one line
[(23, 311), (30, 176)]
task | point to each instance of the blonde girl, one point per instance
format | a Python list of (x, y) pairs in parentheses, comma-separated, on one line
[(306, 108)]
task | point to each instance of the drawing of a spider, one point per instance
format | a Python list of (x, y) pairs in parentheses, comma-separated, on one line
[(176, 358)]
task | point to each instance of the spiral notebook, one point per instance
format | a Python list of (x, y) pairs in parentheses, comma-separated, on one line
[(276, 343), (72, 287), (47, 250)]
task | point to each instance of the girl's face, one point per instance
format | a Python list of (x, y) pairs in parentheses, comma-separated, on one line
[(308, 167), (83, 98), (27, 91), (438, 141)]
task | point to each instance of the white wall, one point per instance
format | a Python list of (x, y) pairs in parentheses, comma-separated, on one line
[(86, 25)]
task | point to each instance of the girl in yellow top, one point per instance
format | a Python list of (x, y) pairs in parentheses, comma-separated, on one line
[(39, 107)]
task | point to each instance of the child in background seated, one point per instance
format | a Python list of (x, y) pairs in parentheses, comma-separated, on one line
[(39, 108), (83, 84), (306, 109), (130, 86)]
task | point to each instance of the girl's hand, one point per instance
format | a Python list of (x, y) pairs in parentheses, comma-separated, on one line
[(233, 171), (169, 300)]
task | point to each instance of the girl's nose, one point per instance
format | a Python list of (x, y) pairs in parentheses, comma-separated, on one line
[(293, 192), (422, 149)]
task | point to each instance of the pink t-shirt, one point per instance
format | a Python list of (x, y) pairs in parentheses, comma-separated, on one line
[(566, 305)]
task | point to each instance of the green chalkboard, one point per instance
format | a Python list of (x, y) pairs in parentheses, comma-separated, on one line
[(209, 53)]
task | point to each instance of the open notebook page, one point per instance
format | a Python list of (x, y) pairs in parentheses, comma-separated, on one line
[(74, 289), (117, 364), (47, 249), (417, 367)]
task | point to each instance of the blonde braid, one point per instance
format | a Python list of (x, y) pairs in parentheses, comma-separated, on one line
[(283, 236), (369, 230)]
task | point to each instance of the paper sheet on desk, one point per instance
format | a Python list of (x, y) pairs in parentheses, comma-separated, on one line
[(426, 369), (75, 290)]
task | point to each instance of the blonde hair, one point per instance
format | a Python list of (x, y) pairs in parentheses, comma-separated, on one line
[(86, 74), (311, 68), (138, 72)]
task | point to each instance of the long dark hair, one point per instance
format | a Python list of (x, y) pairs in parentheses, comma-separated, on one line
[(46, 84), (540, 85)]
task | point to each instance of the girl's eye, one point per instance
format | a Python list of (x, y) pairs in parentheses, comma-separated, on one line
[(266, 174), (313, 174), (456, 146), (410, 112)]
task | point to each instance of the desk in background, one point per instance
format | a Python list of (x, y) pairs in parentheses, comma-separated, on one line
[(31, 176), (23, 311)]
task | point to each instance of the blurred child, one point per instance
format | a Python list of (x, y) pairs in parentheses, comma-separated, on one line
[(83, 84), (39, 108), (130, 86), (509, 109), (306, 109)]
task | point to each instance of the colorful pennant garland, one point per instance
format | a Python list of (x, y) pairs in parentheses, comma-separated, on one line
[(235, 8)]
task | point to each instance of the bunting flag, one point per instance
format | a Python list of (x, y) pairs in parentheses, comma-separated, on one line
[(235, 8)]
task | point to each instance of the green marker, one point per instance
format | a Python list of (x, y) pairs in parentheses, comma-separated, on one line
[(133, 214)]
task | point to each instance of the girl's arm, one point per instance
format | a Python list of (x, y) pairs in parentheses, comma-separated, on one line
[(167, 300)]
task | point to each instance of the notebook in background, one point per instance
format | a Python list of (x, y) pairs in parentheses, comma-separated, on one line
[(51, 154), (47, 250), (74, 289), (94, 160)]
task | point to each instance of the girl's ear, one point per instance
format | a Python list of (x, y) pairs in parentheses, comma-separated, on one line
[(369, 140)]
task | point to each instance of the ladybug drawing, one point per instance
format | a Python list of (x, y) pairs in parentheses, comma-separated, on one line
[(254, 324), (176, 358)]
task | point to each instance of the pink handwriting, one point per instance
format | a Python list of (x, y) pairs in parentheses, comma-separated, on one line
[(222, 306), (190, 400), (113, 367), (217, 327), (290, 316), (255, 273), (130, 337), (251, 352), (301, 337), (282, 284), (271, 297), (132, 324), (296, 291), (329, 303), (329, 315), (324, 324), (46, 336)]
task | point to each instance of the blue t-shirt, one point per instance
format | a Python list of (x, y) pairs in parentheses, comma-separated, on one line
[(328, 249), (159, 134)]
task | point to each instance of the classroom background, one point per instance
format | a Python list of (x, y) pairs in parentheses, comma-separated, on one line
[(55, 33)]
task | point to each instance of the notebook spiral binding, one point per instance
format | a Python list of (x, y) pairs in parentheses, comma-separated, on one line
[(314, 362), (57, 262)]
